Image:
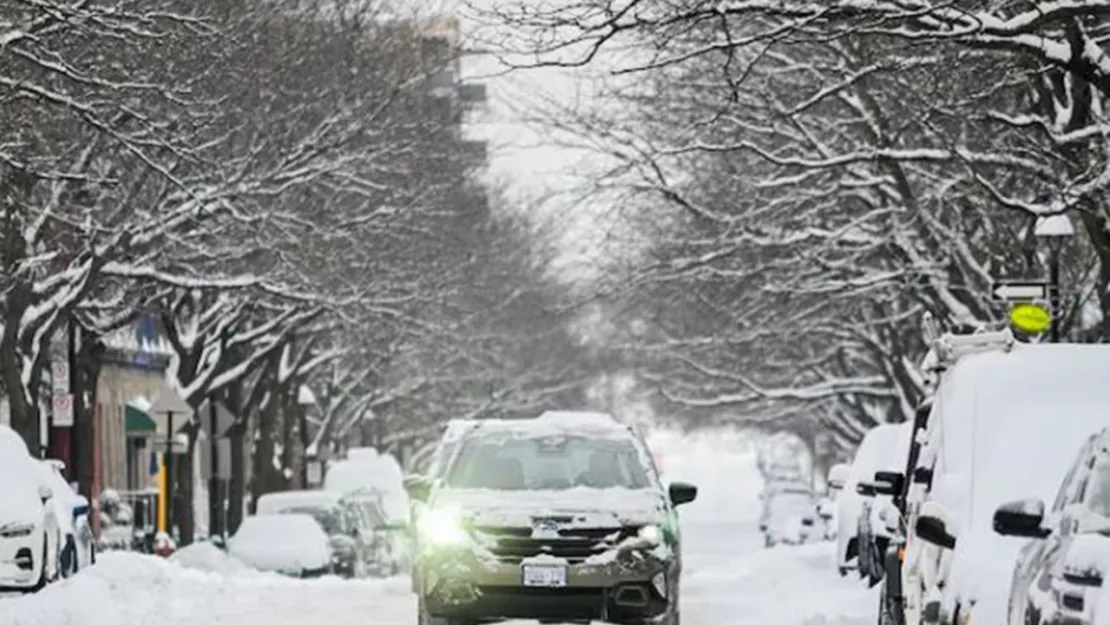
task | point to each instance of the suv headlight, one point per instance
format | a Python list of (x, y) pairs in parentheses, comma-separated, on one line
[(651, 534), (17, 530), (442, 528)]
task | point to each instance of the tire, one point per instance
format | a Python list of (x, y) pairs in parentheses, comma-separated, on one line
[(423, 618), (886, 617), (42, 581)]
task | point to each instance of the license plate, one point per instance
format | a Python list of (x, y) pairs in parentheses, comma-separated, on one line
[(545, 575)]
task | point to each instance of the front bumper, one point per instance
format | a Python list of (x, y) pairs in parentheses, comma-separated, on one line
[(21, 562), (461, 585)]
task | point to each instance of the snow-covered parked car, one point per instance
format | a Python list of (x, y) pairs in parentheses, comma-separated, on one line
[(882, 449), (78, 546), (29, 527), (1005, 426), (351, 539), (291, 544), (558, 518), (790, 517)]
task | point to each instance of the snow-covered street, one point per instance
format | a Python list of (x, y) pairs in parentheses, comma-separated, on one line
[(729, 578)]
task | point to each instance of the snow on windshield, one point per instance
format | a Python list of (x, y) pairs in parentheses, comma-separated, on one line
[(280, 540), (273, 503), (547, 462)]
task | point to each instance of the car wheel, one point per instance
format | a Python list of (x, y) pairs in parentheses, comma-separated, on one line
[(423, 618), (43, 580)]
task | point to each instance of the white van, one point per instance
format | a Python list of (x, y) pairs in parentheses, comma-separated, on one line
[(1005, 425)]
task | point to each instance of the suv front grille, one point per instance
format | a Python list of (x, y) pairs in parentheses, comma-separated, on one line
[(513, 544)]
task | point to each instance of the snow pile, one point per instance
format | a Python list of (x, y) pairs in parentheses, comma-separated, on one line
[(210, 559), (131, 589)]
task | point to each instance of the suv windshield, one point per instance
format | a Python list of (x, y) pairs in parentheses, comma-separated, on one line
[(547, 463)]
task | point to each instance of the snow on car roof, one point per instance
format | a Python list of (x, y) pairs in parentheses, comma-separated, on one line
[(555, 423), (275, 502)]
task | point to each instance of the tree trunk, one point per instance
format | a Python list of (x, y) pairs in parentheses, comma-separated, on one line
[(263, 474), (186, 513), (236, 488), (86, 375)]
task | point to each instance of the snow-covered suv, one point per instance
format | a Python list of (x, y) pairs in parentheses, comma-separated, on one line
[(559, 518)]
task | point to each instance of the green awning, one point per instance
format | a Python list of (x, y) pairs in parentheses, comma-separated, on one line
[(137, 421)]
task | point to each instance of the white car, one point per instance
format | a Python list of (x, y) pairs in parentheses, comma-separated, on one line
[(289, 544), (78, 546), (882, 449), (29, 530)]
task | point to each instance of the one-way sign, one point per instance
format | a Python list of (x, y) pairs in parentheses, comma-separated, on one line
[(1019, 290)]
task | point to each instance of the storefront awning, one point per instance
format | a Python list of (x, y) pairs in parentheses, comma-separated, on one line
[(137, 421)]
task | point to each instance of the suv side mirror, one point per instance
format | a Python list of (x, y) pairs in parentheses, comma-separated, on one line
[(838, 476), (888, 482), (1021, 518), (418, 487), (681, 492)]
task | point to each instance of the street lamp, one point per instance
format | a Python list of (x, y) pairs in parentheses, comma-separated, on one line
[(1054, 230)]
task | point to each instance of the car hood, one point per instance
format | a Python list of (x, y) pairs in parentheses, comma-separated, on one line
[(21, 506), (586, 507)]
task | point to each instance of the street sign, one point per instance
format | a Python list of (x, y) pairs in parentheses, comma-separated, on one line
[(168, 403), (63, 410), (59, 376), (224, 418), (1019, 290), (1030, 318)]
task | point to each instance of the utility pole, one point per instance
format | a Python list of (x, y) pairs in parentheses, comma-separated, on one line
[(215, 499), (1054, 290), (171, 499)]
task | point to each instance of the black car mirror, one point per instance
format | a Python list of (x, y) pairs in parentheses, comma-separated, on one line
[(934, 530), (1022, 518), (681, 492), (923, 475), (889, 482)]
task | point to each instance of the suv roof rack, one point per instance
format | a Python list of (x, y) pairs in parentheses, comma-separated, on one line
[(949, 348)]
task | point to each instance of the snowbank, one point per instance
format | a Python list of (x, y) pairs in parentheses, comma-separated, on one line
[(131, 589), (210, 559)]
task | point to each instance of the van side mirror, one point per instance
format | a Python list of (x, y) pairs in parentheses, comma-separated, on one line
[(1021, 518), (923, 475), (934, 530), (888, 482)]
